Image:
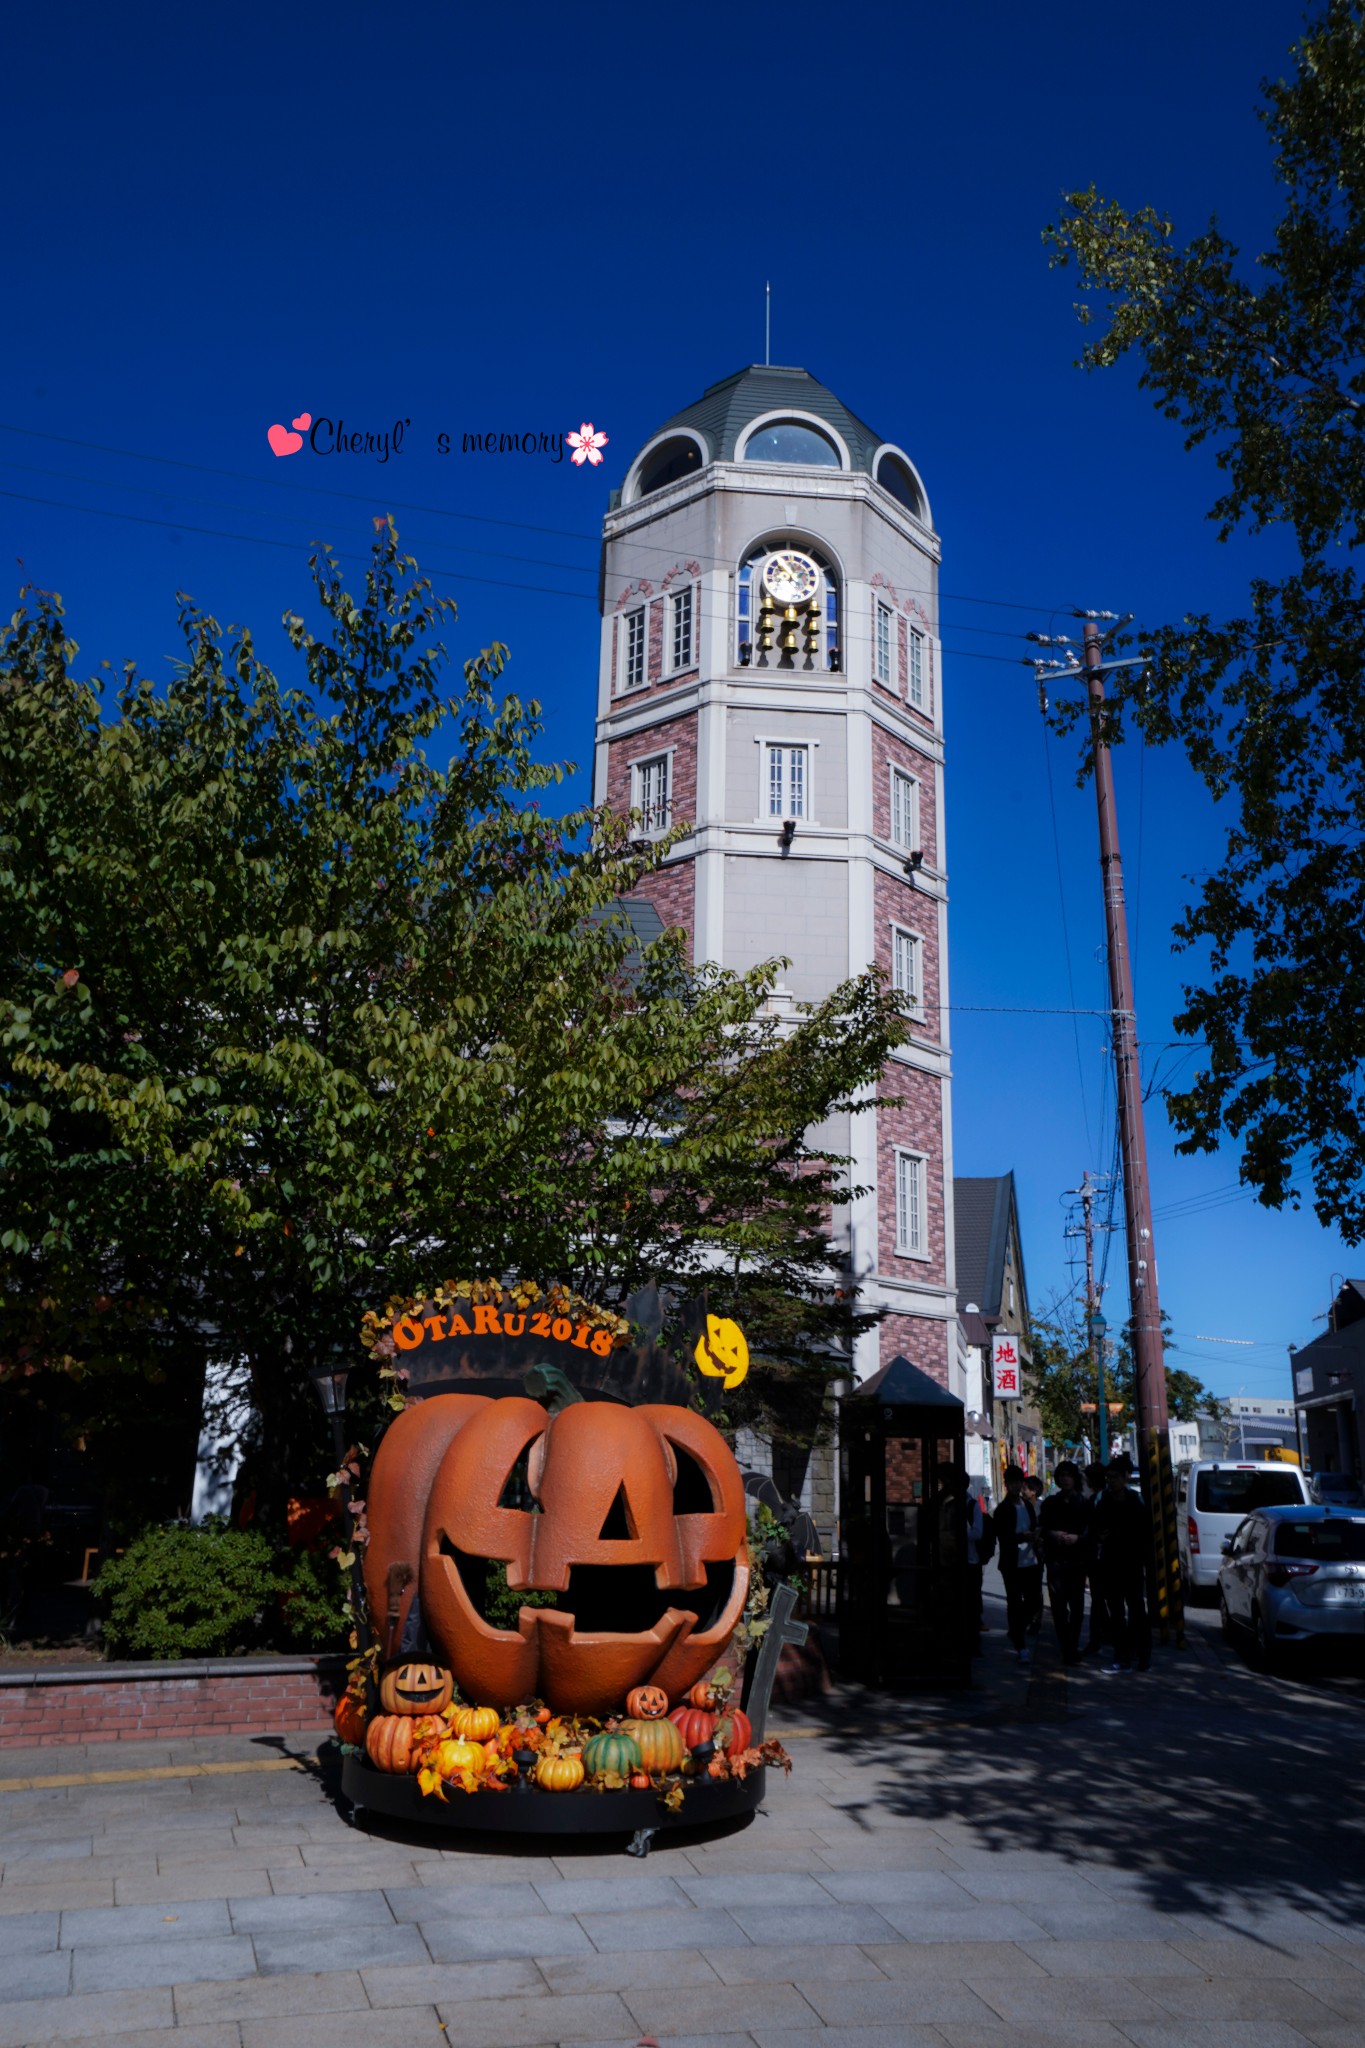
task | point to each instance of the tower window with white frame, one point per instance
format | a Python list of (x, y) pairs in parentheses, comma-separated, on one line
[(681, 635), (904, 810), (907, 967), (652, 793), (912, 1204), (786, 787), (883, 640), (633, 634), (916, 689)]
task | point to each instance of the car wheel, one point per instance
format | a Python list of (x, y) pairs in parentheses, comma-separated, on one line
[(1266, 1647)]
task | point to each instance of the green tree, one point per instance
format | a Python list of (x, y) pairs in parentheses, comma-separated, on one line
[(1063, 1382), (293, 1018), (1264, 361)]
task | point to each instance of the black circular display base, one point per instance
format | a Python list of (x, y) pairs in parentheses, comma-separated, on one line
[(527, 1810)]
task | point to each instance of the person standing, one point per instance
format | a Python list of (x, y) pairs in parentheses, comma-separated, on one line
[(1015, 1522), (1101, 1630), (1063, 1521), (1121, 1531)]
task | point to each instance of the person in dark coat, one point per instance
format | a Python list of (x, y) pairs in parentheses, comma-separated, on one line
[(1121, 1539), (1101, 1629), (1015, 1522), (1064, 1520)]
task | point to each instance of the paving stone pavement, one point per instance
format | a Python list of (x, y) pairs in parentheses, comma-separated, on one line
[(1175, 1860)]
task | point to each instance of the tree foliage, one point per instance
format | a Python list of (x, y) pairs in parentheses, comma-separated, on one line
[(1064, 1382), (305, 1002), (1265, 362)]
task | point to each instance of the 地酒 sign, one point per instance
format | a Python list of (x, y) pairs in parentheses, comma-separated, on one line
[(1005, 1367)]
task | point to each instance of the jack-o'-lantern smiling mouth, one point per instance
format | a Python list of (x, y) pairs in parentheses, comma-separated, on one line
[(614, 1599)]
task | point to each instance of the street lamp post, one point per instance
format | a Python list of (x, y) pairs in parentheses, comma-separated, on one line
[(329, 1384), (1098, 1326)]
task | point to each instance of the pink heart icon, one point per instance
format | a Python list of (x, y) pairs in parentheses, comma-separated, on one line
[(303, 422), (283, 442)]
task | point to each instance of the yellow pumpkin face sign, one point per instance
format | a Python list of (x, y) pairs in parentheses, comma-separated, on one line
[(723, 1353)]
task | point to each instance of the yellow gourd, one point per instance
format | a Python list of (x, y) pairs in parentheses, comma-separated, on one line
[(560, 1773)]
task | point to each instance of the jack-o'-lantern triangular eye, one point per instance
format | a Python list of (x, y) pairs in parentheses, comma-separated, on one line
[(516, 1487), (618, 1527), (692, 1493)]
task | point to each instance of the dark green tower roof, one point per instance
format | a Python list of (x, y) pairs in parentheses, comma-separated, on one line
[(724, 410)]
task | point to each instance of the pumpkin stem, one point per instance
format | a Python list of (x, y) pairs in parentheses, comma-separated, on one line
[(548, 1383)]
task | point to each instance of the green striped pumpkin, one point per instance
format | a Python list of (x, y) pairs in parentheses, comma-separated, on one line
[(612, 1750)]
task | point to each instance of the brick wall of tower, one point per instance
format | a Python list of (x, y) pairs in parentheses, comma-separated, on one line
[(895, 902), (888, 750), (922, 1341), (916, 1124), (672, 891), (678, 733)]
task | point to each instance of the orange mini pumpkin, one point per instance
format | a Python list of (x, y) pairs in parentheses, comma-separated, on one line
[(415, 1689), (702, 1695), (693, 1725), (393, 1741), (640, 1533), (647, 1702), (639, 1781), (476, 1724), (349, 1721)]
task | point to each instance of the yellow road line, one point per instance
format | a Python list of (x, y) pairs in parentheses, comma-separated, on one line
[(52, 1784)]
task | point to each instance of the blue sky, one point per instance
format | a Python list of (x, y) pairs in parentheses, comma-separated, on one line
[(526, 218)]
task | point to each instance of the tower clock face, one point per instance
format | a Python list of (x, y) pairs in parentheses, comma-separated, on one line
[(791, 577)]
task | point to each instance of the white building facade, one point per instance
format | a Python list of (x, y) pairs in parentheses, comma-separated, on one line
[(771, 676)]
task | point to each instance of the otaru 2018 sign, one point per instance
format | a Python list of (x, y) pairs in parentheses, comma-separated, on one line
[(411, 1331), (1005, 1367)]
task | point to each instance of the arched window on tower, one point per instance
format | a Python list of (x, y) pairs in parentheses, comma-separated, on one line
[(787, 609), (791, 441), (669, 463), (894, 476)]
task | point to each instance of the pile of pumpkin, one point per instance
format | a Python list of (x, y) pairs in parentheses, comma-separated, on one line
[(424, 1731)]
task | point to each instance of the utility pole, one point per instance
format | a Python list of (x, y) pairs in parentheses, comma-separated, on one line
[(1148, 1349), (1153, 1434)]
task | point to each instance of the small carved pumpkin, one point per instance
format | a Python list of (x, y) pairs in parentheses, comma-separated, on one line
[(349, 1721), (560, 1773), (476, 1724), (415, 1689), (693, 1725), (702, 1695), (647, 1702), (659, 1743), (612, 1750)]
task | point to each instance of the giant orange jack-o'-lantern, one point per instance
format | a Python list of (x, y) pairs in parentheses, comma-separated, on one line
[(632, 1517)]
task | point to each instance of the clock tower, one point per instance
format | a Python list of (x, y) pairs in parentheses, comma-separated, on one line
[(771, 676)]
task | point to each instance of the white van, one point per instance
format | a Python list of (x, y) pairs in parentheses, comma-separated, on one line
[(1213, 1498)]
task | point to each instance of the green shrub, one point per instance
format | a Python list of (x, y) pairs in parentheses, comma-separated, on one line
[(181, 1592), (311, 1609)]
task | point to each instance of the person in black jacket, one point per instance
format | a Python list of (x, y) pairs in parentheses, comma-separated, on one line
[(1063, 1520), (1015, 1522), (1121, 1540)]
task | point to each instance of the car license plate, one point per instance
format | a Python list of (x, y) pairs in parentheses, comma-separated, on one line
[(1350, 1595)]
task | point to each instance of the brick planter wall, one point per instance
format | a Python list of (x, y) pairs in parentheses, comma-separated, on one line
[(49, 1705)]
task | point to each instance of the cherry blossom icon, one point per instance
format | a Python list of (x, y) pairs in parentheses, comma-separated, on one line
[(587, 446)]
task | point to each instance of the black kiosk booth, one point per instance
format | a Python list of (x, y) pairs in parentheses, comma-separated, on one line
[(905, 1613)]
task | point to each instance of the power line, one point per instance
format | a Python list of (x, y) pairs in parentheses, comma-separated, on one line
[(404, 505)]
